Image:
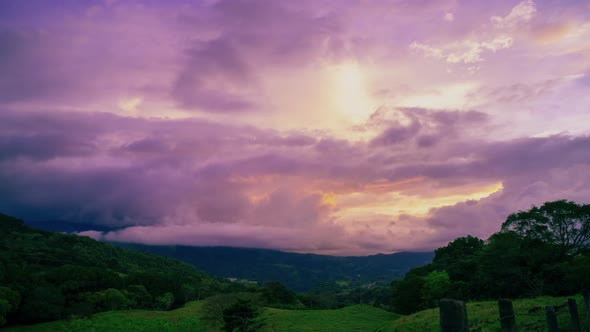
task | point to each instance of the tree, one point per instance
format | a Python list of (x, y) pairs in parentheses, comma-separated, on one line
[(188, 291), (165, 301), (436, 285), (9, 301), (275, 292), (407, 294), (41, 304), (563, 223), (5, 307), (139, 296), (458, 249), (460, 259), (242, 316)]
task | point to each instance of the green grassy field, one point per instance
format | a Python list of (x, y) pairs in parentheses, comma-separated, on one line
[(183, 319), (362, 318), (354, 318), (483, 316)]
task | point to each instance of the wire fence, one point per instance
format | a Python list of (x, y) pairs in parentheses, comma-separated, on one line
[(558, 317)]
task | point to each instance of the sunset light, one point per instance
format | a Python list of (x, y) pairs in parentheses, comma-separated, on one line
[(341, 127)]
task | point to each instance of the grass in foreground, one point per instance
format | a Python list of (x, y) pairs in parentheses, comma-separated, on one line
[(355, 318), (363, 318), (182, 319), (483, 316)]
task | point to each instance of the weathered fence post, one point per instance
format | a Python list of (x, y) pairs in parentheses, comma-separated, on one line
[(586, 296), (575, 318), (551, 319), (507, 319), (453, 316)]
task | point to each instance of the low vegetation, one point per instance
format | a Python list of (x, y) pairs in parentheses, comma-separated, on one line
[(483, 316), (353, 318), (189, 318)]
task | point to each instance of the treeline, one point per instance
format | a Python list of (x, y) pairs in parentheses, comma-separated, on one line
[(543, 251), (48, 276)]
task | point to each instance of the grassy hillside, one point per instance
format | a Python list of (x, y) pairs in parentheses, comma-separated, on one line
[(483, 316), (355, 318), (182, 319)]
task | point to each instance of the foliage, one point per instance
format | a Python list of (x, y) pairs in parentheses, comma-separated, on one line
[(242, 316), (532, 255), (274, 293), (165, 301), (298, 272), (214, 306), (563, 223), (9, 301), (436, 286), (407, 294), (48, 276)]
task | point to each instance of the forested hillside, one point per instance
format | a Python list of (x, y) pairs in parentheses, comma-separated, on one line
[(300, 272), (47, 276)]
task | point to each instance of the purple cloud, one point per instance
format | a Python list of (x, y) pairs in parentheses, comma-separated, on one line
[(308, 126)]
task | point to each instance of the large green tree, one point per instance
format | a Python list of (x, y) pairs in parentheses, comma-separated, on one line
[(436, 286), (563, 223), (274, 292), (243, 316)]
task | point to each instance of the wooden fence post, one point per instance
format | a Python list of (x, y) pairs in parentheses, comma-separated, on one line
[(507, 319), (551, 319), (586, 296), (575, 317), (453, 316)]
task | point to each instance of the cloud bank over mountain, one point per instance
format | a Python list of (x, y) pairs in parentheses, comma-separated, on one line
[(337, 127)]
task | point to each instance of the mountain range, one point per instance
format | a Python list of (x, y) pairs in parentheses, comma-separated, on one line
[(300, 272)]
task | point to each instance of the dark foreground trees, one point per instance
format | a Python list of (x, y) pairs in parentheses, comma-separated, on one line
[(562, 223), (542, 251), (242, 316)]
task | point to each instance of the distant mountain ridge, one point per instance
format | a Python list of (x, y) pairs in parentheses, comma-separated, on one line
[(300, 272)]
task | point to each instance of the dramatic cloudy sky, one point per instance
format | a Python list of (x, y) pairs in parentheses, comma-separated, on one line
[(327, 126)]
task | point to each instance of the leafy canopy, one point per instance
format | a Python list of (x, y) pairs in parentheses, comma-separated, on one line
[(563, 223)]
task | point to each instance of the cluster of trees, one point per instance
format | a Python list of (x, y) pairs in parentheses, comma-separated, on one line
[(543, 251), (340, 294), (48, 276)]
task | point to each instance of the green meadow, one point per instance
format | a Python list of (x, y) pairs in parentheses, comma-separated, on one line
[(182, 319), (483, 316), (354, 318)]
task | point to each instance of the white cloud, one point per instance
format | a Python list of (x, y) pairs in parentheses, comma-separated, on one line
[(521, 13), (467, 51)]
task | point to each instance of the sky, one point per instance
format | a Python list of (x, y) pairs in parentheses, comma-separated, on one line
[(344, 127)]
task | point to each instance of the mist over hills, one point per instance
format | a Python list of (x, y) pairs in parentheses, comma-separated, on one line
[(300, 272)]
